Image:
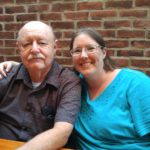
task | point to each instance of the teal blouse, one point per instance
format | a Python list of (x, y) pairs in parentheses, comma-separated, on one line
[(119, 118)]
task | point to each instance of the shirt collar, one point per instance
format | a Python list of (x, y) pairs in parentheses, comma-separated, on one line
[(52, 77)]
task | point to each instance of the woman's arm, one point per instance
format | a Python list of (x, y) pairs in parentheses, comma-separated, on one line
[(6, 66)]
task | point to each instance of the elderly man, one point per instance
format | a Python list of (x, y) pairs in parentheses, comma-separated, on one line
[(39, 99)]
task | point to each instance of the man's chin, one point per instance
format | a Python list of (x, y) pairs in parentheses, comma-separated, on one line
[(36, 66)]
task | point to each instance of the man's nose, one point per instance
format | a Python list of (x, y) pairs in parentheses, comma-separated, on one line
[(35, 47), (84, 53)]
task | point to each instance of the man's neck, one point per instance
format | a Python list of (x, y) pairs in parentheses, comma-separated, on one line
[(38, 75)]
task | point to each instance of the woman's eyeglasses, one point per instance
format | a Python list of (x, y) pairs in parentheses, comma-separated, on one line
[(89, 50)]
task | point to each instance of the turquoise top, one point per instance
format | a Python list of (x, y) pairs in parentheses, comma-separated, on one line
[(119, 118)]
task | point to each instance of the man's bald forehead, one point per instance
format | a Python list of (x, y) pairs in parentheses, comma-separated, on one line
[(36, 25)]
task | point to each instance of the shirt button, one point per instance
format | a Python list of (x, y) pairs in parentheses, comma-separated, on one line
[(24, 128)]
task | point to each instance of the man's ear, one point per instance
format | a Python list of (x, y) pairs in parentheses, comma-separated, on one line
[(56, 44), (18, 47)]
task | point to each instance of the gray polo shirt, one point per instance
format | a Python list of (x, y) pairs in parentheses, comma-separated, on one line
[(26, 111)]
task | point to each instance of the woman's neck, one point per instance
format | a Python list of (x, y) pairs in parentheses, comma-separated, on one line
[(98, 83)]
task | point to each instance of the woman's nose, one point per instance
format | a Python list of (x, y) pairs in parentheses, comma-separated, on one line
[(84, 53)]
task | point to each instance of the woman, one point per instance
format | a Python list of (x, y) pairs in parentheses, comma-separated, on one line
[(115, 110), (115, 104)]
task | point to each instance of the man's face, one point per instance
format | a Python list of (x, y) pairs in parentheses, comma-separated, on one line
[(37, 48)]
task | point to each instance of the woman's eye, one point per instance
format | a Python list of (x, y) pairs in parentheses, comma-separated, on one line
[(90, 49), (77, 50)]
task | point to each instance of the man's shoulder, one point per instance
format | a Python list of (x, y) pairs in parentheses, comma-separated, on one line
[(65, 72)]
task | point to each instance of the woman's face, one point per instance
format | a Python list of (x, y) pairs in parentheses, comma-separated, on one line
[(87, 55)]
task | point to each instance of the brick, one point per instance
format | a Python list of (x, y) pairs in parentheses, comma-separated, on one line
[(130, 34), (47, 1), (38, 8), (14, 9), (142, 3), (26, 17), (76, 15), (68, 34), (110, 52), (1, 27), (122, 61), (148, 35), (66, 53), (144, 63), (10, 43), (107, 33), (58, 52), (63, 43), (6, 2), (103, 14), (1, 42), (1, 10), (134, 13), (6, 35), (89, 6), (147, 53), (50, 16), (119, 4), (58, 34), (141, 44), (117, 44), (26, 1), (62, 25), (1, 58), (130, 53), (6, 18), (142, 24), (93, 24), (14, 58), (61, 7), (117, 24), (13, 26), (7, 51), (64, 61)]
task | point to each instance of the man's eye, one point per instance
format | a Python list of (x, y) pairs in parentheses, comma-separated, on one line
[(26, 45), (42, 43)]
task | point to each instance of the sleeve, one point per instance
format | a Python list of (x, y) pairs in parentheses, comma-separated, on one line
[(3, 88), (70, 100), (139, 100), (7, 82)]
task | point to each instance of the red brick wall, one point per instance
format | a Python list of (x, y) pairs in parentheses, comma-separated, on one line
[(125, 25)]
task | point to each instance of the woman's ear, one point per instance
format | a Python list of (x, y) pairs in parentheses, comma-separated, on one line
[(104, 51)]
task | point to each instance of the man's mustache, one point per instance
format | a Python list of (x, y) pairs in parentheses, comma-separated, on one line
[(36, 56)]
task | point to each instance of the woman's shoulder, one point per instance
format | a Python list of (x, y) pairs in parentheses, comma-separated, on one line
[(135, 77), (134, 73)]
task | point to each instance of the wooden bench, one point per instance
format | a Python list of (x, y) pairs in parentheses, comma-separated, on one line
[(12, 145)]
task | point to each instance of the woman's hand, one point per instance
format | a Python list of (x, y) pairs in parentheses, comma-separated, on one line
[(6, 67)]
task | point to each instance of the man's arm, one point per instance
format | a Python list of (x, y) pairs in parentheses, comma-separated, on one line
[(51, 139), (6, 66)]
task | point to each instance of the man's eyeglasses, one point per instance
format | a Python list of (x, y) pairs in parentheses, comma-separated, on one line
[(89, 49)]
